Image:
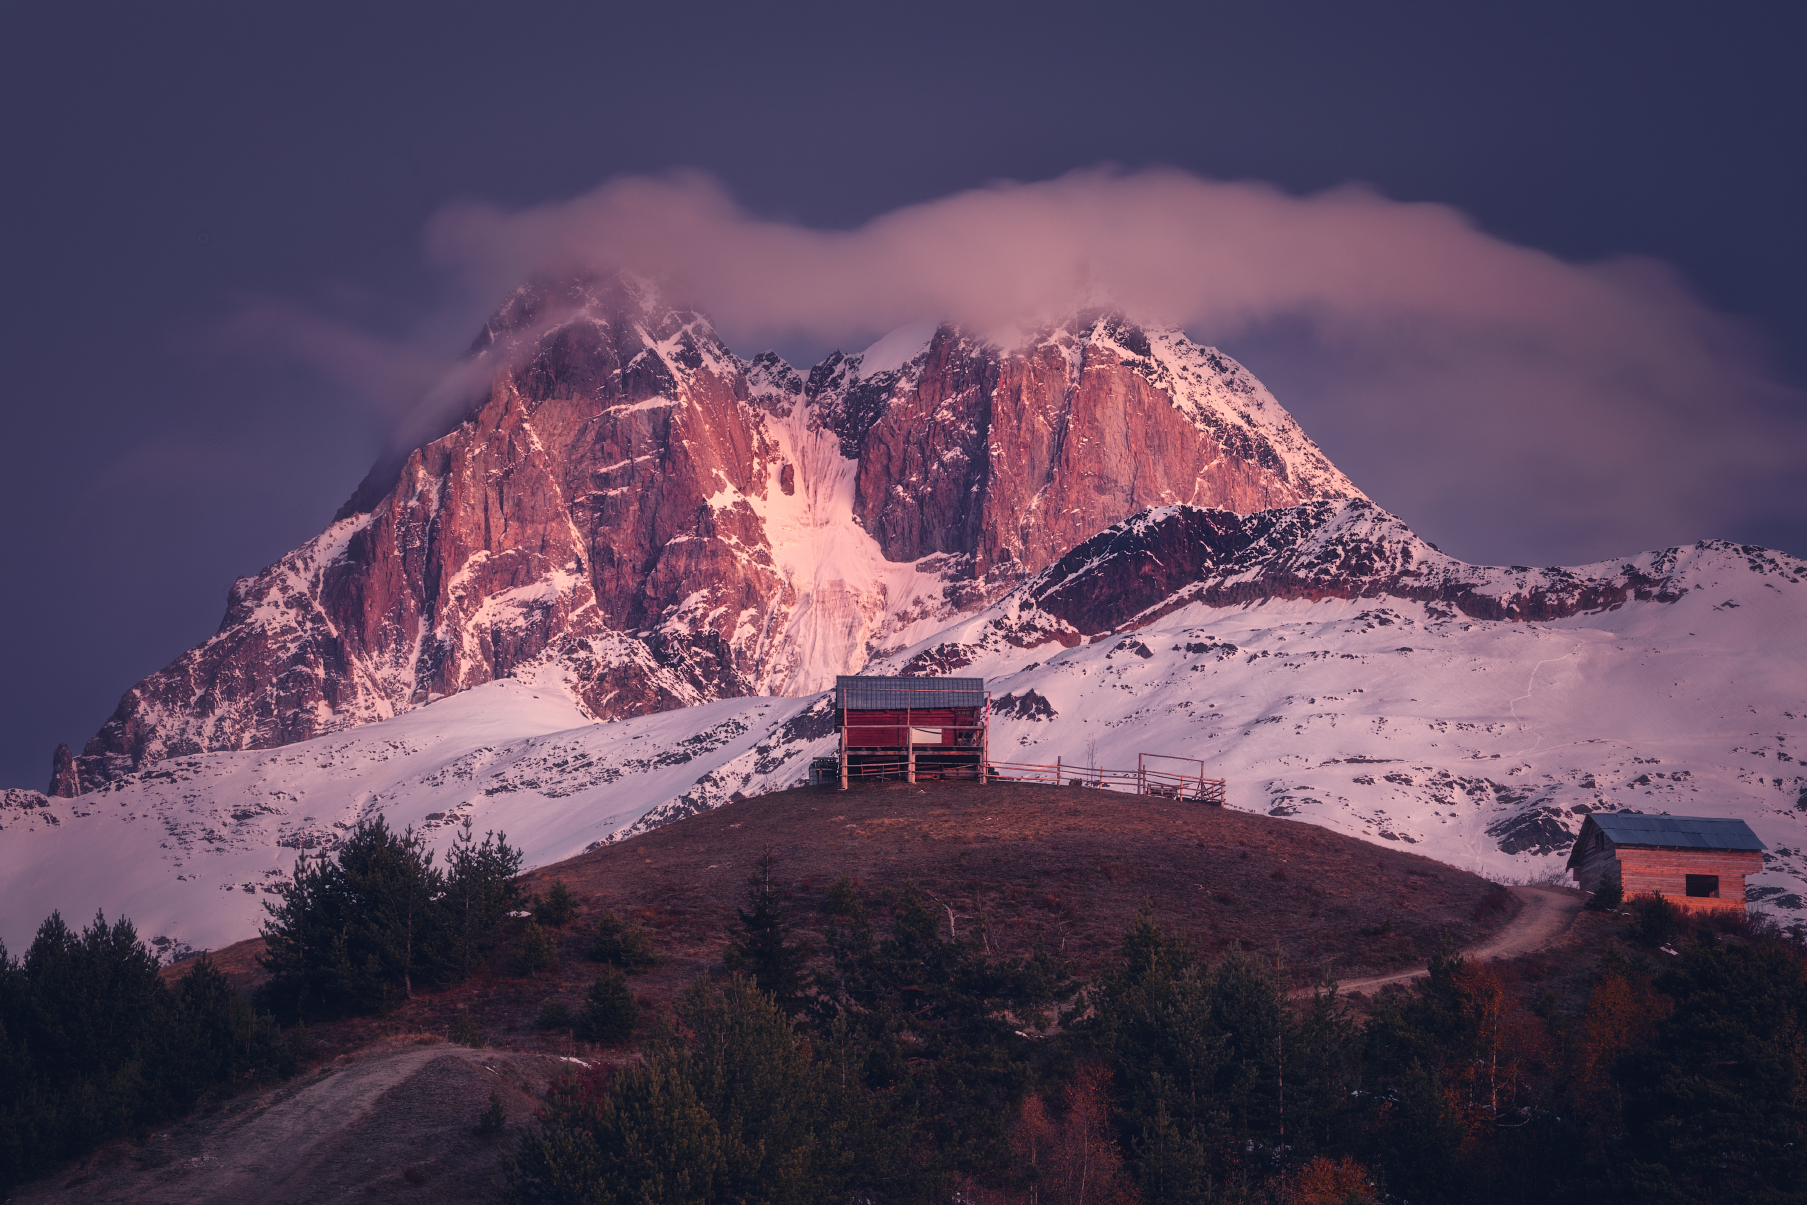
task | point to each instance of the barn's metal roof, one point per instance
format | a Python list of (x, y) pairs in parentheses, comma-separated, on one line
[(872, 693), (1676, 832)]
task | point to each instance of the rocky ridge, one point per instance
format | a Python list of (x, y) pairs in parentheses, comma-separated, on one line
[(1322, 659), (1168, 558), (633, 512)]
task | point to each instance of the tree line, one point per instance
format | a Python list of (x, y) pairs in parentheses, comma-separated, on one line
[(910, 1065), (94, 1045), (357, 930)]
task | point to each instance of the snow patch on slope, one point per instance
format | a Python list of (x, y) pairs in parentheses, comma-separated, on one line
[(897, 348), (192, 847), (1482, 743), (846, 597)]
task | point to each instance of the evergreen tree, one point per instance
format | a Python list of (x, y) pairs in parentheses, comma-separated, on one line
[(536, 953), (609, 1010), (616, 943), (738, 1110), (94, 1045), (1323, 1075), (645, 1140), (1608, 896), (1219, 1084), (397, 924), (933, 1019), (553, 1014), (1417, 1147), (758, 1081), (226, 1040), (97, 1016), (557, 908), (1659, 921), (480, 892), (358, 929), (760, 946), (1715, 1107)]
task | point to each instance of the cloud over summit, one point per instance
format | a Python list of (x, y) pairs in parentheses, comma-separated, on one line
[(1508, 403)]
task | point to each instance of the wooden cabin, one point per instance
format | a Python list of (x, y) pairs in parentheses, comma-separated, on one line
[(911, 728), (1696, 862)]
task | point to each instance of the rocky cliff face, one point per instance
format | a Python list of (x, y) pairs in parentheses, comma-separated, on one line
[(1138, 571), (1011, 457), (65, 778), (635, 515)]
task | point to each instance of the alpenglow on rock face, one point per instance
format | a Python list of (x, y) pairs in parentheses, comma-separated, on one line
[(634, 511), (1328, 663)]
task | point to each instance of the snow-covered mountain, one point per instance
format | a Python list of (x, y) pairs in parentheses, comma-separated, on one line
[(606, 595), (1321, 658), (634, 516)]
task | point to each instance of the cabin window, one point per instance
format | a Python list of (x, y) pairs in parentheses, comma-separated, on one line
[(1704, 886)]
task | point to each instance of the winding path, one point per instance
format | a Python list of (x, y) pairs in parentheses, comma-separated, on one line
[(354, 1127), (1544, 916)]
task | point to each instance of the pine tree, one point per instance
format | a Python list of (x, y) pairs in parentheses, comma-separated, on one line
[(1659, 921), (760, 946), (609, 1010), (757, 1080), (356, 930), (494, 1119), (557, 908), (630, 948), (1714, 1106), (536, 952), (93, 1045), (480, 891), (397, 924), (1607, 897)]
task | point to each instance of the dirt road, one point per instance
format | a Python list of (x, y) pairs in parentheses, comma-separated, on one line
[(396, 1123), (1544, 915)]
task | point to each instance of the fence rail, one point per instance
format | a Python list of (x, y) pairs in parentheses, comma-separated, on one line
[(1166, 784)]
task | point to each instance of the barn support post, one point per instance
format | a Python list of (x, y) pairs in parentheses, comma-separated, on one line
[(843, 755), (912, 735)]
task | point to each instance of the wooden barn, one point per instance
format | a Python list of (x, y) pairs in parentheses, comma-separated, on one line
[(912, 728), (1696, 862)]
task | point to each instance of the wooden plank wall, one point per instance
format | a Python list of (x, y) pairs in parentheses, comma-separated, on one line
[(1598, 860), (890, 729), (1665, 871)]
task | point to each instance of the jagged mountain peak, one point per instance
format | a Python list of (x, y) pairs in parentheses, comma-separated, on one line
[(632, 508)]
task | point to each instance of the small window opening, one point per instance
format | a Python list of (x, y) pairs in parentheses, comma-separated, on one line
[(1704, 886)]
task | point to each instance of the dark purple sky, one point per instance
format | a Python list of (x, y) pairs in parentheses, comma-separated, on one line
[(170, 168)]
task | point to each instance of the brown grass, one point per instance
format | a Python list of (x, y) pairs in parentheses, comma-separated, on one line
[(1016, 864)]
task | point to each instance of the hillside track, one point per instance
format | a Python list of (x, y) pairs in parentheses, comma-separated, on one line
[(395, 1122), (1543, 918)]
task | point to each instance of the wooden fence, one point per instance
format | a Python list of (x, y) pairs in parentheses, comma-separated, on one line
[(1143, 780)]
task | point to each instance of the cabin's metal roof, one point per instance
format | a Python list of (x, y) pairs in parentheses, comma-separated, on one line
[(1676, 832), (873, 693)]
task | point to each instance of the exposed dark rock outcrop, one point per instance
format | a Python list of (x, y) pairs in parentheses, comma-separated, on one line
[(65, 780), (1134, 572), (600, 515)]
